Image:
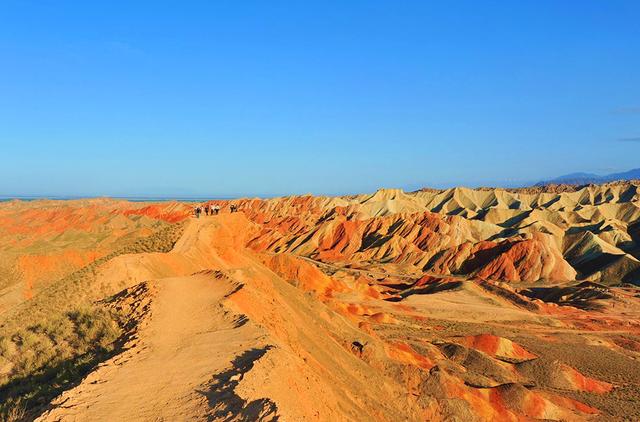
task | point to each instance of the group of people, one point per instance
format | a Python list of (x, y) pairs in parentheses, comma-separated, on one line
[(207, 209), (211, 209)]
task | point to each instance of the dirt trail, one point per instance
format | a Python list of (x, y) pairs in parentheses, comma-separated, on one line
[(187, 340), (273, 347)]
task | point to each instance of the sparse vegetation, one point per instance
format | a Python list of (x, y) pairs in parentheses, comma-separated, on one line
[(57, 339), (9, 274), (54, 340), (53, 354), (15, 412)]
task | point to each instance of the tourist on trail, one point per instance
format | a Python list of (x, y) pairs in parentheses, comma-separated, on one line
[(206, 209)]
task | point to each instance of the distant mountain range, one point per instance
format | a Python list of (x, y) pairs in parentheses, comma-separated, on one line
[(586, 178)]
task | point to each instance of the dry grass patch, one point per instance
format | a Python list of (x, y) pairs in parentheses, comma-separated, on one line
[(52, 341)]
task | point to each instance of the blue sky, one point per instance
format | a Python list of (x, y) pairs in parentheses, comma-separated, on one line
[(228, 98)]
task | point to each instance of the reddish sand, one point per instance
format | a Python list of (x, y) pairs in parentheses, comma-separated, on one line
[(498, 347)]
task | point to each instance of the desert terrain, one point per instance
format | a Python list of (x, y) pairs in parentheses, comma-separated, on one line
[(441, 305)]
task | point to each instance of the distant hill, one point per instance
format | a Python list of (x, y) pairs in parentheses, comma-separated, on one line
[(586, 178)]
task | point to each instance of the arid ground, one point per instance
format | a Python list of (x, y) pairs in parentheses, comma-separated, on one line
[(452, 305)]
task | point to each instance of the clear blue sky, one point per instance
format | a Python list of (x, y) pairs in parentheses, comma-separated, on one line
[(236, 97)]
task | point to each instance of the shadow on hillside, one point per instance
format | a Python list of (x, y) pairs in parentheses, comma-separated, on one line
[(586, 295), (431, 288), (226, 405)]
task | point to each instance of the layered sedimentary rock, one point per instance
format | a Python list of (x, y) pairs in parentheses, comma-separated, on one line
[(495, 234), (434, 305)]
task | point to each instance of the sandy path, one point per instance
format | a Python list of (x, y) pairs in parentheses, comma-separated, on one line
[(165, 377)]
